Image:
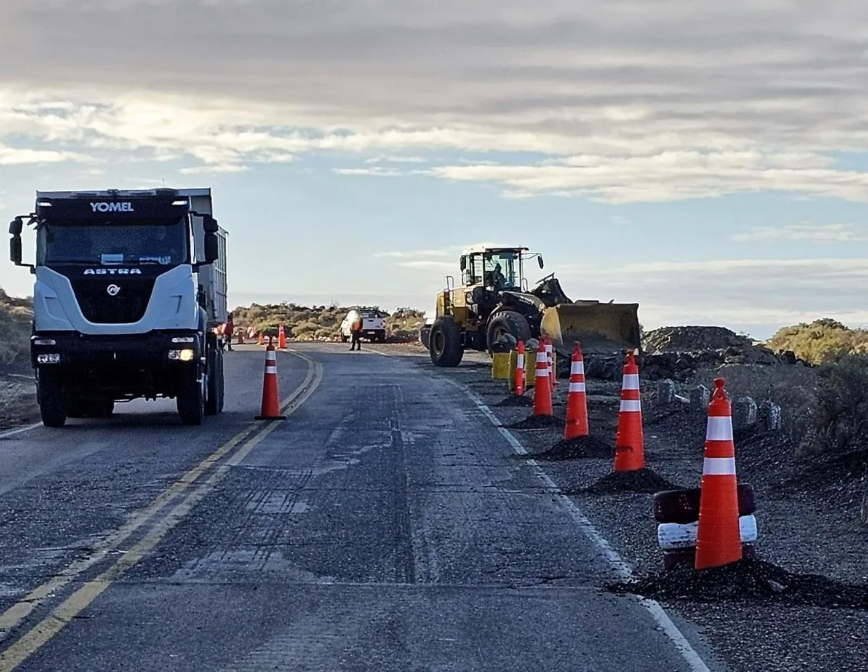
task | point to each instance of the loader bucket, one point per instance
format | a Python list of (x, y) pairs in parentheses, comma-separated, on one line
[(600, 328)]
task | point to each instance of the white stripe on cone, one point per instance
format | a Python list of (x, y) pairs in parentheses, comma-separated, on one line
[(719, 428), (577, 387), (718, 466), (631, 381), (577, 369), (631, 405), (672, 536), (519, 362)]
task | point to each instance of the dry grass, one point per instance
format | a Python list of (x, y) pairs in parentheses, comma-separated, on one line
[(15, 320), (319, 322)]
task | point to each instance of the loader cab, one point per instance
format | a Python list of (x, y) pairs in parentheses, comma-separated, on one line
[(480, 267)]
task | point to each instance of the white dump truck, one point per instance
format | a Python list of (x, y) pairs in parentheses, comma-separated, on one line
[(373, 324), (129, 288)]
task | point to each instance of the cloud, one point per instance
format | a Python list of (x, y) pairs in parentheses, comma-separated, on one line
[(803, 231), (396, 159), (11, 156), (427, 264), (669, 176), (369, 172), (215, 169), (415, 253), (704, 98)]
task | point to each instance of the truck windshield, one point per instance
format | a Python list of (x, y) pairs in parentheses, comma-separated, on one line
[(111, 243)]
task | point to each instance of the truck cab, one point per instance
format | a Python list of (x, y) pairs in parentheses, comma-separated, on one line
[(128, 285)]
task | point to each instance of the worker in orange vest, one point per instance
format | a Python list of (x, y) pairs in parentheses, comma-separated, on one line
[(356, 334)]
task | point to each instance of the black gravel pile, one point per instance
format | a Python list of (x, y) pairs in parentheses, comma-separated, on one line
[(537, 422), (583, 447), (747, 580), (641, 480), (515, 401)]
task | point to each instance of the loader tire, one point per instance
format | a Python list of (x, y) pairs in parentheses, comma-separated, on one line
[(507, 322), (445, 343)]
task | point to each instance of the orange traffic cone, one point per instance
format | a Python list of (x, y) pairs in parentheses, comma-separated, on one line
[(718, 538), (577, 398), (629, 441), (270, 397), (518, 386), (261, 338), (542, 390), (281, 337)]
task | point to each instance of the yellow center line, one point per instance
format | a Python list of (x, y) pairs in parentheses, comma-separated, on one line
[(14, 615), (32, 640)]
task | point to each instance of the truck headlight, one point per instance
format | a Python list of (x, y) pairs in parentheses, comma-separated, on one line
[(48, 358), (44, 341), (185, 355)]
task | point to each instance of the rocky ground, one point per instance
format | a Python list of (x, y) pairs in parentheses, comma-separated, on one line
[(17, 398), (808, 515)]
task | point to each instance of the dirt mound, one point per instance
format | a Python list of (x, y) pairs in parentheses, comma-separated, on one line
[(537, 422), (747, 580), (641, 480), (583, 447), (515, 401), (678, 352), (693, 339)]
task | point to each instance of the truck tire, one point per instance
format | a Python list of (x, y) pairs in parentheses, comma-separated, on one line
[(191, 400), (380, 337), (507, 322), (49, 393), (445, 342), (344, 338), (212, 398)]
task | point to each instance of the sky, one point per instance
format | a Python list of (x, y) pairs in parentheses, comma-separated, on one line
[(706, 160)]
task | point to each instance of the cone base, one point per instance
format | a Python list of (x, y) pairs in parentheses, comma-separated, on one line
[(270, 417)]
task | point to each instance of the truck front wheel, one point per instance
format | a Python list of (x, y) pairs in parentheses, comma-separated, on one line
[(49, 391), (191, 399)]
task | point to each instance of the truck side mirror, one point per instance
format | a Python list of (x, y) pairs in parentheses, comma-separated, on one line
[(463, 263), (212, 247), (16, 226), (539, 260), (15, 250), (209, 224)]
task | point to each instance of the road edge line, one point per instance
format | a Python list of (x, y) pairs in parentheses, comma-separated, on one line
[(621, 567)]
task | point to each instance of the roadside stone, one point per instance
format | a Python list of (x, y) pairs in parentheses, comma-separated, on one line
[(770, 415), (700, 397), (744, 413), (665, 392)]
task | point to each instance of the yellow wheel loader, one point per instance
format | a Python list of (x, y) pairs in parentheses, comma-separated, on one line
[(494, 301)]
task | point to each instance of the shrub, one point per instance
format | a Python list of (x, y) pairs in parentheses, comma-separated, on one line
[(839, 418), (821, 341)]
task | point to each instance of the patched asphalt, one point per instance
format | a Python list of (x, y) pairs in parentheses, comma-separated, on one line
[(382, 526)]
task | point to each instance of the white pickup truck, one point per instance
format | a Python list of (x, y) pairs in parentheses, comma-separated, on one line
[(373, 324)]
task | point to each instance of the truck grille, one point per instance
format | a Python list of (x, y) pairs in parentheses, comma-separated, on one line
[(100, 307)]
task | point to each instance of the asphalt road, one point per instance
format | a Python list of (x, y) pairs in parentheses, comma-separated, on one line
[(384, 525)]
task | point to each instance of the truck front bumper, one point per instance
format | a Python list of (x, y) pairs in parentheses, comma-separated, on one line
[(137, 365)]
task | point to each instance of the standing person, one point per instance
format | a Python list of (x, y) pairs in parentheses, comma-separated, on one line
[(228, 330), (356, 333)]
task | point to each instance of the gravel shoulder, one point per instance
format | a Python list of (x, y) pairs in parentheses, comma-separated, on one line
[(17, 401), (805, 525)]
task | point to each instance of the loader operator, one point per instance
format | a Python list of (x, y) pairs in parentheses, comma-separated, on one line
[(498, 280)]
